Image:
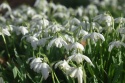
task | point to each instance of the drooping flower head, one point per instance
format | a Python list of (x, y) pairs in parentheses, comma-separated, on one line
[(40, 67), (116, 44), (78, 58), (76, 73), (94, 36), (58, 42)]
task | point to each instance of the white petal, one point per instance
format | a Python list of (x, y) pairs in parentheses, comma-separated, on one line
[(80, 75), (102, 37), (45, 70), (88, 60), (73, 72), (6, 32), (50, 44), (110, 48), (63, 64)]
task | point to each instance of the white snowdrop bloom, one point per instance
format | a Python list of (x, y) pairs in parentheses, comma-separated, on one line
[(94, 36), (79, 11), (38, 20), (61, 15), (78, 58), (10, 27), (116, 44), (5, 6), (112, 3), (5, 31), (82, 33), (23, 30), (76, 73), (40, 3), (30, 11), (55, 28), (20, 29), (58, 42), (63, 64), (44, 22), (69, 38), (33, 40), (85, 18), (76, 46), (119, 20), (86, 25), (43, 41), (52, 5), (1, 80), (40, 67), (75, 21), (36, 17), (96, 26), (73, 28), (104, 19), (45, 70), (34, 61), (121, 30), (60, 8), (91, 9)]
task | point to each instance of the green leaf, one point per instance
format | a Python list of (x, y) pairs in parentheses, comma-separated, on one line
[(15, 72)]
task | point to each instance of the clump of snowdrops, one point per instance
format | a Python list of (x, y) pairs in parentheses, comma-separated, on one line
[(50, 43)]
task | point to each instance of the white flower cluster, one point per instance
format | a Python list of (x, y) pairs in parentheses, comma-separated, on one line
[(50, 25)]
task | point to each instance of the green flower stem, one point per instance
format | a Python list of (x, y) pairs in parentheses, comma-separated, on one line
[(5, 45), (53, 77), (56, 77)]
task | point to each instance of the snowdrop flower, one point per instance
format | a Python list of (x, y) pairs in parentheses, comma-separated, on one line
[(45, 70), (69, 38), (5, 6), (23, 30), (58, 42), (38, 20), (63, 64), (94, 36), (86, 25), (61, 15), (82, 33), (91, 9), (76, 73), (5, 31), (119, 20), (85, 18), (73, 28), (20, 29), (33, 40), (75, 21), (40, 67), (52, 5), (60, 8), (55, 28), (30, 11), (116, 44), (79, 11), (78, 58), (43, 41), (104, 19), (121, 30), (76, 46)]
